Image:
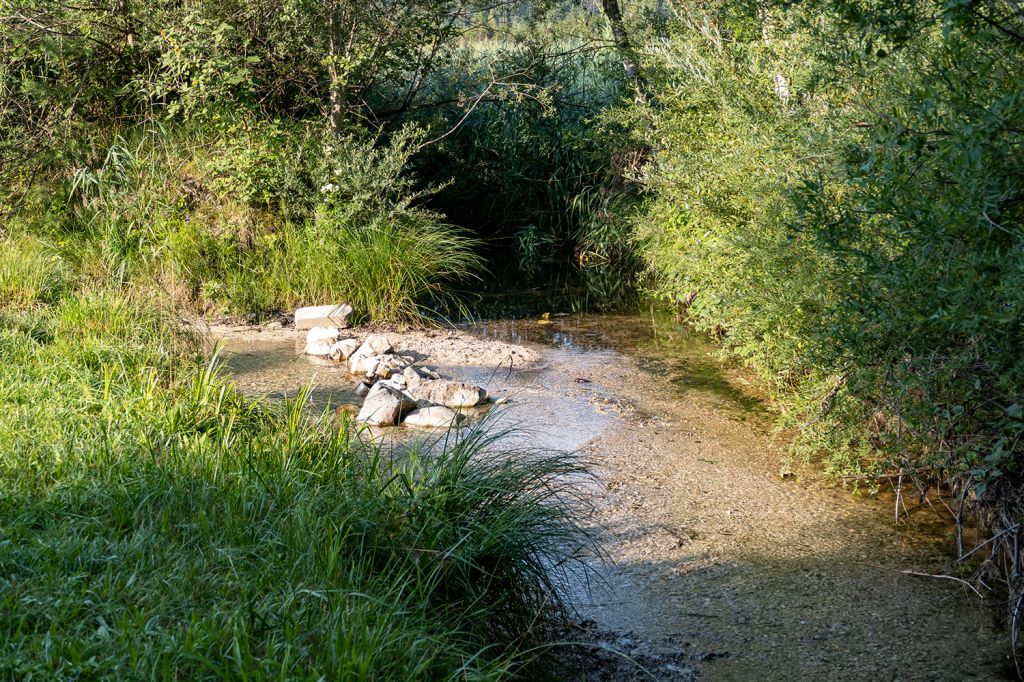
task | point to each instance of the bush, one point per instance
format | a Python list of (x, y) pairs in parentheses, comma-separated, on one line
[(838, 195)]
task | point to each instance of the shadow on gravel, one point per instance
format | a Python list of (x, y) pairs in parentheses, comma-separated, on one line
[(811, 614)]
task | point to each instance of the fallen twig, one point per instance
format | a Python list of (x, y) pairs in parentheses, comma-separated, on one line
[(946, 577)]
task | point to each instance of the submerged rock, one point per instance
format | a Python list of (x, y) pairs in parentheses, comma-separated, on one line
[(335, 315), (434, 417)]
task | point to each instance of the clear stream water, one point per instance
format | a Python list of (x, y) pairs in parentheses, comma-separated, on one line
[(717, 567)]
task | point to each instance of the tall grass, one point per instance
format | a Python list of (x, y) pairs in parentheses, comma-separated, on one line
[(30, 274), (155, 523), (253, 218), (386, 269)]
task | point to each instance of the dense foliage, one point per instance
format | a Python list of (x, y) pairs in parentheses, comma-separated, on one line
[(838, 192)]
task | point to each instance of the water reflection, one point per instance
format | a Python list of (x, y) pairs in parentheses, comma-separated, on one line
[(508, 292), (664, 349), (276, 369)]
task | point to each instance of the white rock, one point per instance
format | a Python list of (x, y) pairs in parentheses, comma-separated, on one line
[(366, 358), (343, 350), (390, 385), (435, 417), (320, 340), (363, 364), (335, 315), (384, 405), (453, 394), (375, 344), (389, 365), (412, 376), (380, 409)]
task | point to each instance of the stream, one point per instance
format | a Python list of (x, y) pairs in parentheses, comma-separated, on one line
[(717, 567)]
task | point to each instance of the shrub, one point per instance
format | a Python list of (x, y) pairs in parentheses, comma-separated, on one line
[(838, 194)]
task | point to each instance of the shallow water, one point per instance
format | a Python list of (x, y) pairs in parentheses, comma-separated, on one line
[(717, 565), (277, 369)]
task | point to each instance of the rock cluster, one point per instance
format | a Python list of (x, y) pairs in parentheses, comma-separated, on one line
[(394, 390)]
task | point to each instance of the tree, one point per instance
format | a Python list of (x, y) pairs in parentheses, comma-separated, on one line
[(620, 36)]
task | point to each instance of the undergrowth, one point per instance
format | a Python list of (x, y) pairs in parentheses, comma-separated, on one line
[(156, 523)]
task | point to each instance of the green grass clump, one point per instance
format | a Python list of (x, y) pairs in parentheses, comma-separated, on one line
[(385, 269), (29, 274), (155, 523)]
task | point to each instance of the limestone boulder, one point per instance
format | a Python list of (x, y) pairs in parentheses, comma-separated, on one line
[(320, 340), (334, 315), (364, 360), (389, 365), (363, 364), (412, 376), (375, 344), (384, 406), (453, 394), (434, 417), (343, 350)]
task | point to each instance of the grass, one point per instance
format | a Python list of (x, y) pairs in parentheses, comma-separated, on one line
[(387, 270), (233, 221), (29, 274), (156, 524)]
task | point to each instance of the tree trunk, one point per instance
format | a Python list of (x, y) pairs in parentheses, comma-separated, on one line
[(129, 30), (336, 114), (620, 36)]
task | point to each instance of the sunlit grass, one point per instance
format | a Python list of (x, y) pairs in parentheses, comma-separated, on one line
[(30, 274)]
